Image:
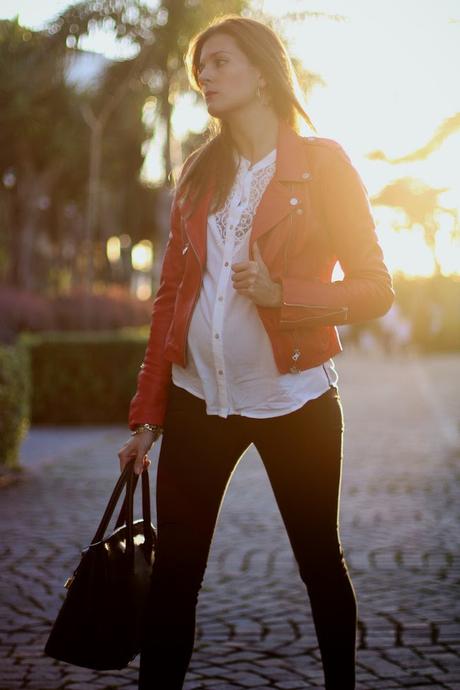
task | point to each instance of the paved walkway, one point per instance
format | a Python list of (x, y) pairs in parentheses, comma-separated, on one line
[(399, 527)]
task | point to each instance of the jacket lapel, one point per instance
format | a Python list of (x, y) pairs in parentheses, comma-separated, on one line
[(196, 223), (276, 202), (278, 199)]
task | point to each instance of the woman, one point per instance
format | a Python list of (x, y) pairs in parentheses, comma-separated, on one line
[(242, 339)]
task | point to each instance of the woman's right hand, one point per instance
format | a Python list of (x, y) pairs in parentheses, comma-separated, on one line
[(137, 447)]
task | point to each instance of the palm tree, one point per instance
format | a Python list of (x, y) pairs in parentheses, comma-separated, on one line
[(419, 201), (421, 207), (39, 125)]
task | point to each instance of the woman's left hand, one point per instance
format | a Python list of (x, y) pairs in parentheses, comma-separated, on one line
[(251, 278)]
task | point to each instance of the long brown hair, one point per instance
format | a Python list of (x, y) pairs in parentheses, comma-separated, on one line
[(214, 159)]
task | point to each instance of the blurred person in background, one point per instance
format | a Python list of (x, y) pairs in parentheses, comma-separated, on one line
[(242, 337), (395, 332)]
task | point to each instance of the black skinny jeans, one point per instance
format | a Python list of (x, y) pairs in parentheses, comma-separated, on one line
[(302, 454)]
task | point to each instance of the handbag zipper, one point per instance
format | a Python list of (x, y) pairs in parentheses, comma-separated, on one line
[(69, 581)]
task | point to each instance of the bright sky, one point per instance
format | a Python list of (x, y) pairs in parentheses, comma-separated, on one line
[(391, 73)]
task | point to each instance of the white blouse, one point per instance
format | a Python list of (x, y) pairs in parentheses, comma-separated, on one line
[(230, 362)]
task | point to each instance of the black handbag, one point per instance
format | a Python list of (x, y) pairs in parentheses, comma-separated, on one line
[(100, 623)]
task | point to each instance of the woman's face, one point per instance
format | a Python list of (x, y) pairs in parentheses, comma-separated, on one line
[(227, 79)]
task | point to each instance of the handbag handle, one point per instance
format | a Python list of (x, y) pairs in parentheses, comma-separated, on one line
[(146, 511), (127, 507), (126, 514)]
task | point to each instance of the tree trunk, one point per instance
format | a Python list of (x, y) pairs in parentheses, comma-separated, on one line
[(92, 202), (32, 186)]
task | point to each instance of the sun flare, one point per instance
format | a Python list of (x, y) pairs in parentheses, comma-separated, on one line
[(373, 99)]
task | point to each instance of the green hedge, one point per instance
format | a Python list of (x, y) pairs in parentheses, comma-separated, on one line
[(84, 377), (14, 402)]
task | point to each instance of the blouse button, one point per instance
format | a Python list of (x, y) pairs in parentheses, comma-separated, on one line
[(305, 175), (294, 201)]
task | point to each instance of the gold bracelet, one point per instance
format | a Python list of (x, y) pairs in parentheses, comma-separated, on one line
[(155, 428)]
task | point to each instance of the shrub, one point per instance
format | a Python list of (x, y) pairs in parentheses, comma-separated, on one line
[(14, 402), (113, 307), (23, 311), (84, 378)]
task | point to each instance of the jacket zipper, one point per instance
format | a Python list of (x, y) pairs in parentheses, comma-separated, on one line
[(341, 310), (295, 340), (184, 346), (312, 306)]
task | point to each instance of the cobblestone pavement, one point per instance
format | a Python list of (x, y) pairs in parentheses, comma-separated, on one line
[(399, 528)]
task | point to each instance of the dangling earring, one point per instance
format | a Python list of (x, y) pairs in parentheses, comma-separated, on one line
[(264, 99)]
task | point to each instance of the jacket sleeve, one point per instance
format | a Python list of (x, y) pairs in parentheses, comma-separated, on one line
[(149, 402), (366, 290)]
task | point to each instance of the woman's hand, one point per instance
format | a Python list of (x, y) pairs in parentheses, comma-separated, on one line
[(137, 447), (251, 278)]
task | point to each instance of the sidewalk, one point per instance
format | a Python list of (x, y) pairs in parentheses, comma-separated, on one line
[(399, 528)]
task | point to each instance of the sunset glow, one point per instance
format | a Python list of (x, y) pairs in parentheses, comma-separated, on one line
[(390, 73)]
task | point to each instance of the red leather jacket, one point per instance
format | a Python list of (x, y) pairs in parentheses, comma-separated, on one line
[(314, 211)]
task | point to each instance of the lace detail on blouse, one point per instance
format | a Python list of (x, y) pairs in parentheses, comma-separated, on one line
[(259, 181)]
